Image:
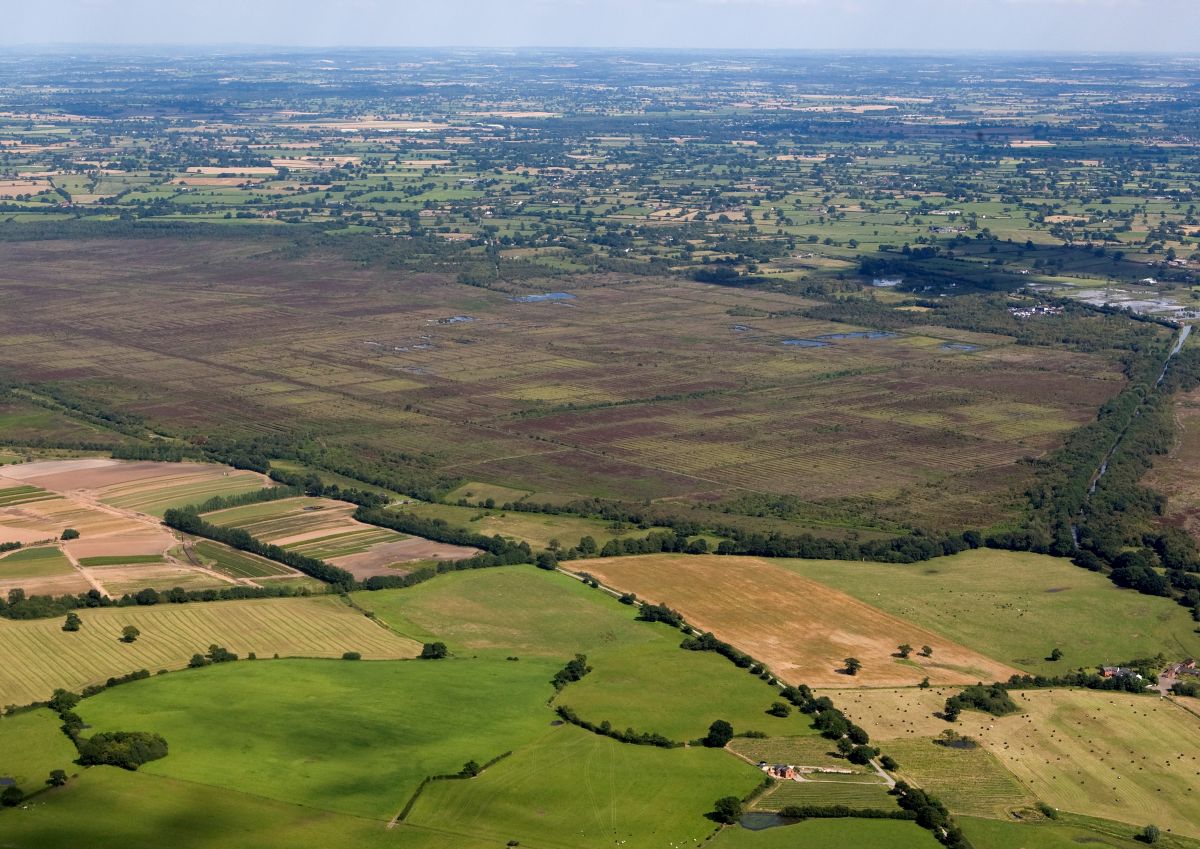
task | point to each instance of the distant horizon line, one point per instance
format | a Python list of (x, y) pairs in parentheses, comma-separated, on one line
[(532, 48)]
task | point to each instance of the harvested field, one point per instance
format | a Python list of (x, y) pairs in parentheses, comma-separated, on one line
[(238, 564), (969, 781), (133, 544), (380, 559), (1102, 754), (801, 629), (37, 656)]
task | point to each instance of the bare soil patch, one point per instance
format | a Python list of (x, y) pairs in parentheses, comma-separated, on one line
[(137, 543), (378, 560)]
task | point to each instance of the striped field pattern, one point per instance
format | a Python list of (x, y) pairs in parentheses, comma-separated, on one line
[(37, 656)]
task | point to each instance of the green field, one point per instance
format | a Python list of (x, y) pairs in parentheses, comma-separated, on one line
[(17, 495), (574, 790), (157, 811), (1016, 607), (858, 792), (515, 610), (654, 686), (45, 562), (830, 834), (237, 564), (538, 529), (809, 750), (283, 730), (32, 744), (346, 543), (37, 656), (969, 781), (126, 560), (1069, 832)]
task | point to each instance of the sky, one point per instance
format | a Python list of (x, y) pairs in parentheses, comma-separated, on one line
[(1169, 26)]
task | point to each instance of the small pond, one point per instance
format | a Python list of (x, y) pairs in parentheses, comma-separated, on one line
[(548, 296)]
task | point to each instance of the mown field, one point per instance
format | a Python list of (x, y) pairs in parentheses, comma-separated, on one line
[(752, 603), (1102, 754), (1016, 607), (44, 562), (38, 656), (574, 790), (969, 781)]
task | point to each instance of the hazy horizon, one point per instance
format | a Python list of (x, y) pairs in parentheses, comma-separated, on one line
[(920, 26)]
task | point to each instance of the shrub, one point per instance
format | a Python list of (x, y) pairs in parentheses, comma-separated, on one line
[(727, 810), (351, 655), (434, 651), (11, 796), (69, 534), (779, 709)]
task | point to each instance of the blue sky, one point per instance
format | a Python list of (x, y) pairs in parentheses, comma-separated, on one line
[(937, 25)]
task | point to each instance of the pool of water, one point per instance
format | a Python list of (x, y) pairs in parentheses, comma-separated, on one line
[(548, 296), (959, 346), (762, 820), (805, 343)]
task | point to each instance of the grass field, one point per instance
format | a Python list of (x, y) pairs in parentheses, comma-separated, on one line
[(1069, 832), (283, 731), (861, 792), (18, 495), (1100, 754), (654, 686), (969, 781), (45, 562), (37, 656), (237, 564), (31, 745), (118, 560), (574, 790), (187, 484), (159, 811), (830, 834), (517, 610), (1016, 607), (538, 529), (750, 603)]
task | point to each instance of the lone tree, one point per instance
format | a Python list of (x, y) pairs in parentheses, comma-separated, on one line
[(11, 796), (727, 810), (73, 622), (719, 734), (904, 650), (69, 533), (57, 778), (780, 709), (470, 769), (853, 664), (927, 651), (434, 651), (1149, 834), (129, 633), (1056, 654)]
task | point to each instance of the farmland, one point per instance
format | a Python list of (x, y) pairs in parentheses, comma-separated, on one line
[(274, 739), (587, 791), (38, 656), (324, 529), (747, 602), (1016, 607), (875, 367), (1109, 755)]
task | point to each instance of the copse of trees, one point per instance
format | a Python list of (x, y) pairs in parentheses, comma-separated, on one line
[(126, 749), (992, 699)]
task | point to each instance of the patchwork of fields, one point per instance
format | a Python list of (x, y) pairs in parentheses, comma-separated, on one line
[(801, 629), (324, 529)]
